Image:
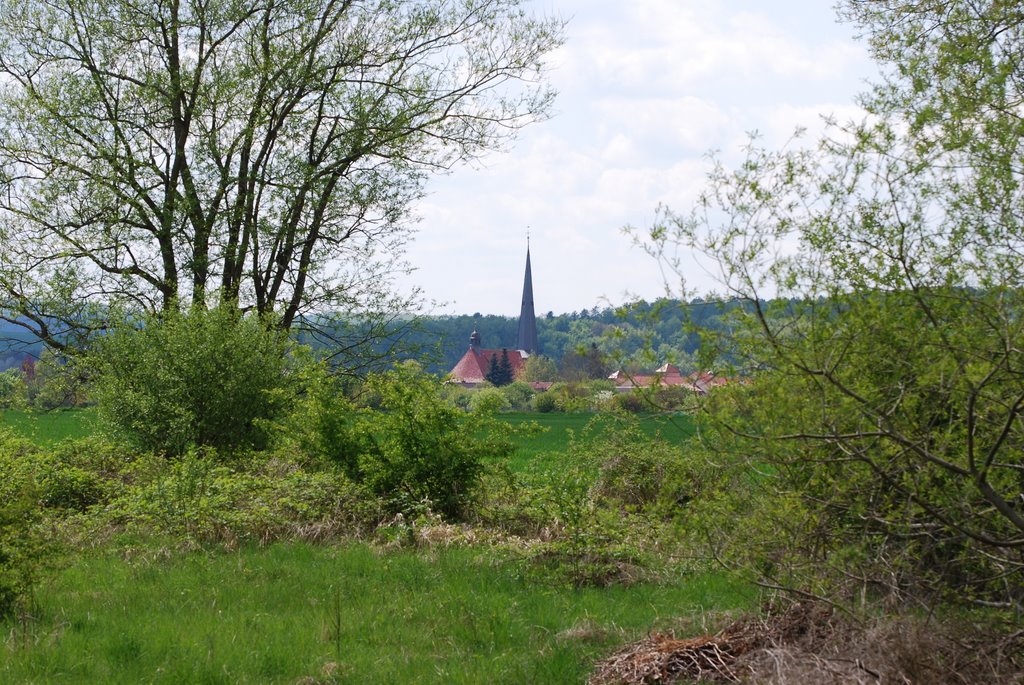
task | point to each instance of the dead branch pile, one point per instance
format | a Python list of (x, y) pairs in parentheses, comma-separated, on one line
[(809, 643)]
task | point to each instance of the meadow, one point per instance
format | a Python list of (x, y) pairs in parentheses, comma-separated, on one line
[(124, 607), (50, 427), (332, 614)]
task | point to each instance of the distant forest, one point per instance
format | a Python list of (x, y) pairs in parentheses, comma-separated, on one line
[(637, 337)]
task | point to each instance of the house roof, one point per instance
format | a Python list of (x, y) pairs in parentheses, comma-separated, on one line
[(668, 375), (473, 366)]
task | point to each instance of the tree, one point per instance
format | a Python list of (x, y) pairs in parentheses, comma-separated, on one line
[(504, 369), (499, 372), (881, 275), (161, 155), (208, 377), (537, 367)]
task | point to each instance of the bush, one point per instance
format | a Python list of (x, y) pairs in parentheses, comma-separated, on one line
[(259, 499), (23, 548), (489, 401), (632, 401), (423, 447), (545, 403), (457, 395), (12, 389), (208, 377), (519, 395), (641, 472)]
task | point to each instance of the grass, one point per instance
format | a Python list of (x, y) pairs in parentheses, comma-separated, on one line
[(50, 427), (345, 614), (533, 451), (132, 611), (540, 452)]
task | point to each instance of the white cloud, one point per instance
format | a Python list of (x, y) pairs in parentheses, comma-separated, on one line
[(647, 88)]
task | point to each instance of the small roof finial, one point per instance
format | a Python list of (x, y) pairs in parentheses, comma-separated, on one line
[(527, 237)]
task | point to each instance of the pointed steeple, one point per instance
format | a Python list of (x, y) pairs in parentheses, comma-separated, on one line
[(527, 339)]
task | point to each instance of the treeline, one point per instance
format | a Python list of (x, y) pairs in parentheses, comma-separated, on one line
[(635, 336), (638, 336)]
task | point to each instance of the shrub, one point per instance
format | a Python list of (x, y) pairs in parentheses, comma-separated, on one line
[(545, 402), (519, 395), (325, 424), (206, 377), (199, 498), (23, 548), (457, 395), (640, 471), (633, 402), (489, 401), (423, 447), (12, 389)]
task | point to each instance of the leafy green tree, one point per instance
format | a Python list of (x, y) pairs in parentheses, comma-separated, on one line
[(206, 377), (165, 154), (24, 550), (12, 388), (537, 367), (880, 274), (424, 448), (489, 400)]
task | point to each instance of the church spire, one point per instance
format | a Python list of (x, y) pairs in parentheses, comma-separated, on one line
[(527, 339)]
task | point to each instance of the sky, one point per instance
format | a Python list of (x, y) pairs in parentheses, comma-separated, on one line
[(646, 89)]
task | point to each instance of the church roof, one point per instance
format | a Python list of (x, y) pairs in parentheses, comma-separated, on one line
[(473, 366), (527, 338)]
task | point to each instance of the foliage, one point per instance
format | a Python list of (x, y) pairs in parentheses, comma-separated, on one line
[(632, 401), (519, 395), (208, 377), (583, 364), (616, 491), (582, 396), (411, 445), (642, 472), (12, 389), (489, 401), (201, 498), (424, 448), (883, 411), (54, 383), (457, 395), (24, 551), (499, 371), (265, 153), (545, 402), (538, 367)]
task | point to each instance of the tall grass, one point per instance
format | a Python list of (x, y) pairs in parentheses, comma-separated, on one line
[(346, 614)]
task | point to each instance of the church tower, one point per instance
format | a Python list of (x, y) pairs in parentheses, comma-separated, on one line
[(527, 339)]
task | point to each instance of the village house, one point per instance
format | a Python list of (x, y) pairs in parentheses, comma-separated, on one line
[(668, 375)]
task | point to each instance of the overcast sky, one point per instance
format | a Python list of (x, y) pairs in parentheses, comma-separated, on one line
[(646, 89)]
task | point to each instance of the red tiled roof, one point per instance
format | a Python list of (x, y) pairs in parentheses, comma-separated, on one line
[(669, 375), (475, 364)]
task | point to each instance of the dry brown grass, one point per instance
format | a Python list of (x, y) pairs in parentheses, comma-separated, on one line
[(810, 643)]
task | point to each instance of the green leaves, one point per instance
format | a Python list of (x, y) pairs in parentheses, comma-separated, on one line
[(209, 377), (881, 275)]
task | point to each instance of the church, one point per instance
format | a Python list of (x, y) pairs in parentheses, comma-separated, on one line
[(471, 370)]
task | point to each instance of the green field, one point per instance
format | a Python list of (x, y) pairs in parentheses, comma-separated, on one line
[(127, 606), (344, 614), (540, 451), (532, 451), (49, 427)]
